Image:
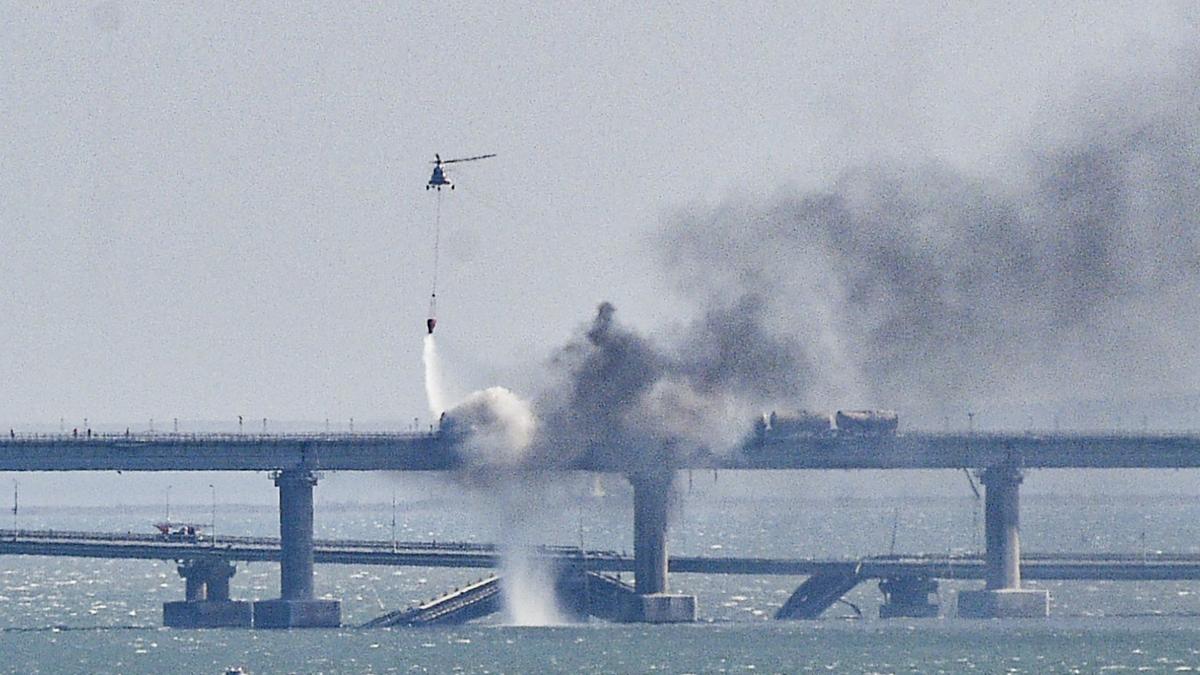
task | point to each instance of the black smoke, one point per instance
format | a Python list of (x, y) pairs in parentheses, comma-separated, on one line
[(630, 402), (1074, 275), (1070, 274)]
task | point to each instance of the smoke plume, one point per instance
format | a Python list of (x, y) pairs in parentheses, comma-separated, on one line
[(923, 288), (627, 402), (492, 429)]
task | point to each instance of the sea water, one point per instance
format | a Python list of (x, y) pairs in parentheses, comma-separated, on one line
[(84, 615)]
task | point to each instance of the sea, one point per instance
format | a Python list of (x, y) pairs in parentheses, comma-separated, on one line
[(65, 615)]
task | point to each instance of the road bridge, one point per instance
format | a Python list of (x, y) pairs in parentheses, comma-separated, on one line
[(294, 461), (1156, 566), (906, 580)]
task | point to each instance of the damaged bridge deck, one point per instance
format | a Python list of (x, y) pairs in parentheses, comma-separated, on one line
[(1058, 566)]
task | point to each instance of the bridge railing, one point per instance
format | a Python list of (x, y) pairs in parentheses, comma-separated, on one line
[(209, 437), (241, 540)]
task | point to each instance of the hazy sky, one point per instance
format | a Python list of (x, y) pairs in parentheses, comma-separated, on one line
[(217, 209)]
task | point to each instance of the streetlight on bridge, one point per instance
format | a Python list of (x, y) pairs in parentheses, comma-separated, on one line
[(212, 522)]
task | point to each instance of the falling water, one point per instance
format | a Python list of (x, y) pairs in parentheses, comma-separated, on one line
[(529, 597), (528, 577), (435, 393)]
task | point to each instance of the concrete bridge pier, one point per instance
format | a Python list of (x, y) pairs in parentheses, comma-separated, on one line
[(1003, 596), (908, 597), (652, 601), (194, 589), (206, 593), (296, 607)]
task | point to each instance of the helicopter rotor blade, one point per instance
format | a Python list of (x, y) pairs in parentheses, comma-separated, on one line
[(467, 159)]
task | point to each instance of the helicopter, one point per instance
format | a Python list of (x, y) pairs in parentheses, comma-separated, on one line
[(439, 179)]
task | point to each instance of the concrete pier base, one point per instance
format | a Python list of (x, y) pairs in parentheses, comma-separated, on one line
[(207, 592), (296, 607), (651, 501), (1003, 597), (207, 614), (652, 601), (1006, 603), (660, 608), (908, 597), (297, 614)]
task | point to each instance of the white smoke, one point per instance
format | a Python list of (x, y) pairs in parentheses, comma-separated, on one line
[(492, 428), (674, 412)]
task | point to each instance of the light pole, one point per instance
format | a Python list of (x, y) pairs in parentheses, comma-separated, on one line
[(212, 523)]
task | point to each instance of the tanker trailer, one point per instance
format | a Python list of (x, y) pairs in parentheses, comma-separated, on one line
[(798, 423)]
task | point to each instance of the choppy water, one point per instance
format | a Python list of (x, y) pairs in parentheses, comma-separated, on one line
[(79, 615)]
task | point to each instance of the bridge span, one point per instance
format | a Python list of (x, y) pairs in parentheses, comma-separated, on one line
[(907, 581), (295, 460), (429, 452), (1156, 566)]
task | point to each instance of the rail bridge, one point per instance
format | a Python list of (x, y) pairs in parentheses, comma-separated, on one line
[(294, 460), (428, 452)]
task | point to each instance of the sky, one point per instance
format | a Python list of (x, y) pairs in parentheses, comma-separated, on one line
[(218, 209)]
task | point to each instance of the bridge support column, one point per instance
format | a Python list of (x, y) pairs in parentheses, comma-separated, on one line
[(908, 597), (652, 602), (195, 586), (207, 604), (217, 586), (296, 606), (1003, 596)]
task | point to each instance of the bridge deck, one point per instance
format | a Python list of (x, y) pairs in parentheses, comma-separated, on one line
[(427, 452), (1036, 566)]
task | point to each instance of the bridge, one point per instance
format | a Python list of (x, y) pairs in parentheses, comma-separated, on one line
[(1157, 566), (906, 580), (294, 461), (428, 452)]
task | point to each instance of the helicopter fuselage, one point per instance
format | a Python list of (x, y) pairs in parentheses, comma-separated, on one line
[(438, 179)]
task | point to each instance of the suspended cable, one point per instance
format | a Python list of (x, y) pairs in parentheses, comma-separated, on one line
[(437, 181), (431, 322)]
